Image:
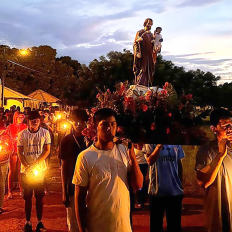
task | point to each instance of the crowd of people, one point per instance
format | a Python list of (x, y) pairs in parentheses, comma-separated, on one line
[(100, 181), (25, 141)]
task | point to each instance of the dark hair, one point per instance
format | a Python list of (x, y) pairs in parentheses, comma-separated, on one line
[(158, 28), (79, 114), (145, 22), (103, 114), (218, 114), (34, 114)]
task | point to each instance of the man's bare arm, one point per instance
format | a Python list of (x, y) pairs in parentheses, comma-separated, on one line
[(64, 179), (208, 174), (22, 159), (43, 156), (45, 153), (80, 207), (136, 176), (152, 158)]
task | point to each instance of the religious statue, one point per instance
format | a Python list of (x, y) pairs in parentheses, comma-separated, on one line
[(157, 42), (145, 54)]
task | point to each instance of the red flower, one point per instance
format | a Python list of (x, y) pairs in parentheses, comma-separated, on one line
[(120, 92), (168, 131), (120, 129), (142, 98), (181, 106), (130, 99), (166, 85), (164, 92), (153, 126), (189, 97), (129, 103), (144, 107), (93, 110), (148, 96), (170, 115), (90, 132)]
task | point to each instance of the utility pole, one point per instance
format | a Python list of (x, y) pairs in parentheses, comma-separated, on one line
[(3, 76)]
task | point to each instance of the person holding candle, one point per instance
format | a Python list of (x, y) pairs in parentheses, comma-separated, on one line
[(33, 148), (6, 149)]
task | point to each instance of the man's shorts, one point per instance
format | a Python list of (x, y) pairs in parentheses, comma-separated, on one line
[(29, 186)]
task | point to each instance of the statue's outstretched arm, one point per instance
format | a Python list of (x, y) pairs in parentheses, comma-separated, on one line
[(136, 46)]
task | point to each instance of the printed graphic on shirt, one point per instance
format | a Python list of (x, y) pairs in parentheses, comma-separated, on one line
[(167, 156), (33, 144), (164, 175)]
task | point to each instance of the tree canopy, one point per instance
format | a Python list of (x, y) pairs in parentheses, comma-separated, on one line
[(76, 84)]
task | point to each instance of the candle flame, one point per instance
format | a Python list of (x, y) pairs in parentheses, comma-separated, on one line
[(36, 172)]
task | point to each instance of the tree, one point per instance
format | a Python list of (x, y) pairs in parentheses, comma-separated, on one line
[(77, 83)]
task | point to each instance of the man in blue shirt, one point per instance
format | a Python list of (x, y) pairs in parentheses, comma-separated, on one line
[(165, 186)]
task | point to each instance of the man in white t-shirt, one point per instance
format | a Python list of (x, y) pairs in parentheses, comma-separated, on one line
[(140, 157), (102, 199), (33, 147)]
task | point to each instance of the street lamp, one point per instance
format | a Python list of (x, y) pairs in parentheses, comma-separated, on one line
[(22, 52)]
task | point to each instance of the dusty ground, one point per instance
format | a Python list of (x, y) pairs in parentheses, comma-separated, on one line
[(54, 216)]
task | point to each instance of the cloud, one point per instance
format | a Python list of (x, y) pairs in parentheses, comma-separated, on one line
[(87, 29), (59, 24), (85, 54), (219, 67), (196, 61), (197, 3), (194, 54)]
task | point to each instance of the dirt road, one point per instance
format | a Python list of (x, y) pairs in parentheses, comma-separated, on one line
[(54, 216)]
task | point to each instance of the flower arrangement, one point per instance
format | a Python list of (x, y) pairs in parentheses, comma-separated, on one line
[(155, 115)]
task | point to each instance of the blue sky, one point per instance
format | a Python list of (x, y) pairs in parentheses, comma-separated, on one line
[(197, 33)]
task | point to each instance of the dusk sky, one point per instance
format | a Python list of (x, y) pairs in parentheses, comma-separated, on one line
[(197, 33)]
